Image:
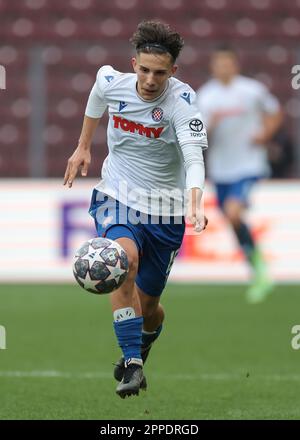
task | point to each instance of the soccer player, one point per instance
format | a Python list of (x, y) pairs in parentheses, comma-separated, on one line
[(155, 140), (241, 117)]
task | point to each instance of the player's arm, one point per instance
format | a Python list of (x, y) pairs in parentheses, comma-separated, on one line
[(96, 106), (81, 158), (272, 116), (192, 139), (271, 124)]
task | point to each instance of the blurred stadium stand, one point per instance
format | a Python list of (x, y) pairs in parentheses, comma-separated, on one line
[(65, 42)]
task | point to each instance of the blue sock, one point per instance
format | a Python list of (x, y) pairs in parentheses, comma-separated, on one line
[(148, 338), (129, 335)]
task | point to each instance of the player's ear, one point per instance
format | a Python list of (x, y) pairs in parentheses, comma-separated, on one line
[(174, 69), (134, 63)]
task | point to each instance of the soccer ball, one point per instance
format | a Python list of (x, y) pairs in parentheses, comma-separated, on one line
[(100, 265)]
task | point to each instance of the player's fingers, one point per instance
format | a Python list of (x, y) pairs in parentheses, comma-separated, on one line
[(191, 219), (201, 224), (198, 227), (85, 168), (72, 174), (66, 174)]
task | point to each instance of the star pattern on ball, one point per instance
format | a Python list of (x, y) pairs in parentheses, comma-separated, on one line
[(88, 283)]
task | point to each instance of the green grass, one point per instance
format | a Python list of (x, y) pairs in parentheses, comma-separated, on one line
[(217, 358)]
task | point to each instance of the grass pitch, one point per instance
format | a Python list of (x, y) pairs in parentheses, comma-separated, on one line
[(217, 357)]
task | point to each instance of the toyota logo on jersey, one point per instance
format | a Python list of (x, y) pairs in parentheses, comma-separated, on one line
[(157, 114), (196, 125)]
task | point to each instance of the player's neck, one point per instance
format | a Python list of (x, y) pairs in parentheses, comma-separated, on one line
[(226, 81)]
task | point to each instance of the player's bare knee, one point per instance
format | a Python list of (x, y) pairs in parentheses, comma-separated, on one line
[(233, 212), (132, 255), (234, 220), (133, 263)]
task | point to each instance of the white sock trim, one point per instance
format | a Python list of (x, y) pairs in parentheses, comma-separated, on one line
[(134, 361), (148, 333), (124, 314)]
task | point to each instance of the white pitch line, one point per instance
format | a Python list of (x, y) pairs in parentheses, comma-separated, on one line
[(178, 377)]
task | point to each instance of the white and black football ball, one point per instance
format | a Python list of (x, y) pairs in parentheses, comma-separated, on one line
[(100, 265)]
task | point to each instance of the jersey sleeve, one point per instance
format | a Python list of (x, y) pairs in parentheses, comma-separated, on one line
[(97, 103), (267, 102), (192, 139)]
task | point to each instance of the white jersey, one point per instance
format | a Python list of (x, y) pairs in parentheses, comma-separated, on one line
[(155, 147), (233, 155)]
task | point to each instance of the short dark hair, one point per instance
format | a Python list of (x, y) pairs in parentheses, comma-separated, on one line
[(156, 37), (225, 47)]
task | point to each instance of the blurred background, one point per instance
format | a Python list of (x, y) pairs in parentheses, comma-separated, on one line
[(51, 51)]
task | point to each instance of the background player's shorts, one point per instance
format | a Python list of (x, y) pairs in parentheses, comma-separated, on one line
[(238, 190), (158, 239)]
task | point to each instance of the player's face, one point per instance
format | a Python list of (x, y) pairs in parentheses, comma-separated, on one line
[(224, 66), (153, 72)]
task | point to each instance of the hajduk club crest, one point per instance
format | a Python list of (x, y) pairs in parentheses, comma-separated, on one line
[(157, 114)]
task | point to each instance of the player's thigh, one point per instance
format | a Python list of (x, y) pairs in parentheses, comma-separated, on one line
[(237, 198), (154, 269)]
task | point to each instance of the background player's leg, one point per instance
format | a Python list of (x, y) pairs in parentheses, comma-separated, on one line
[(234, 209)]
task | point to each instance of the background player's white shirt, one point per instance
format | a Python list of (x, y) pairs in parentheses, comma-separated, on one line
[(233, 154), (154, 146)]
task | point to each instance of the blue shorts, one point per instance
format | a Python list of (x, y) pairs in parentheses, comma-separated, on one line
[(158, 239), (238, 190)]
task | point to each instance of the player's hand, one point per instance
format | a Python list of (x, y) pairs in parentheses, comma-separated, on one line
[(81, 158), (199, 221), (259, 139), (195, 214)]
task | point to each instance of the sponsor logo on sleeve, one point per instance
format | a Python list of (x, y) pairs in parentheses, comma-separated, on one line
[(196, 126)]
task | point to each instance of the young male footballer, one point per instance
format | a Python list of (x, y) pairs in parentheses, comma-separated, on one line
[(155, 140), (241, 117)]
